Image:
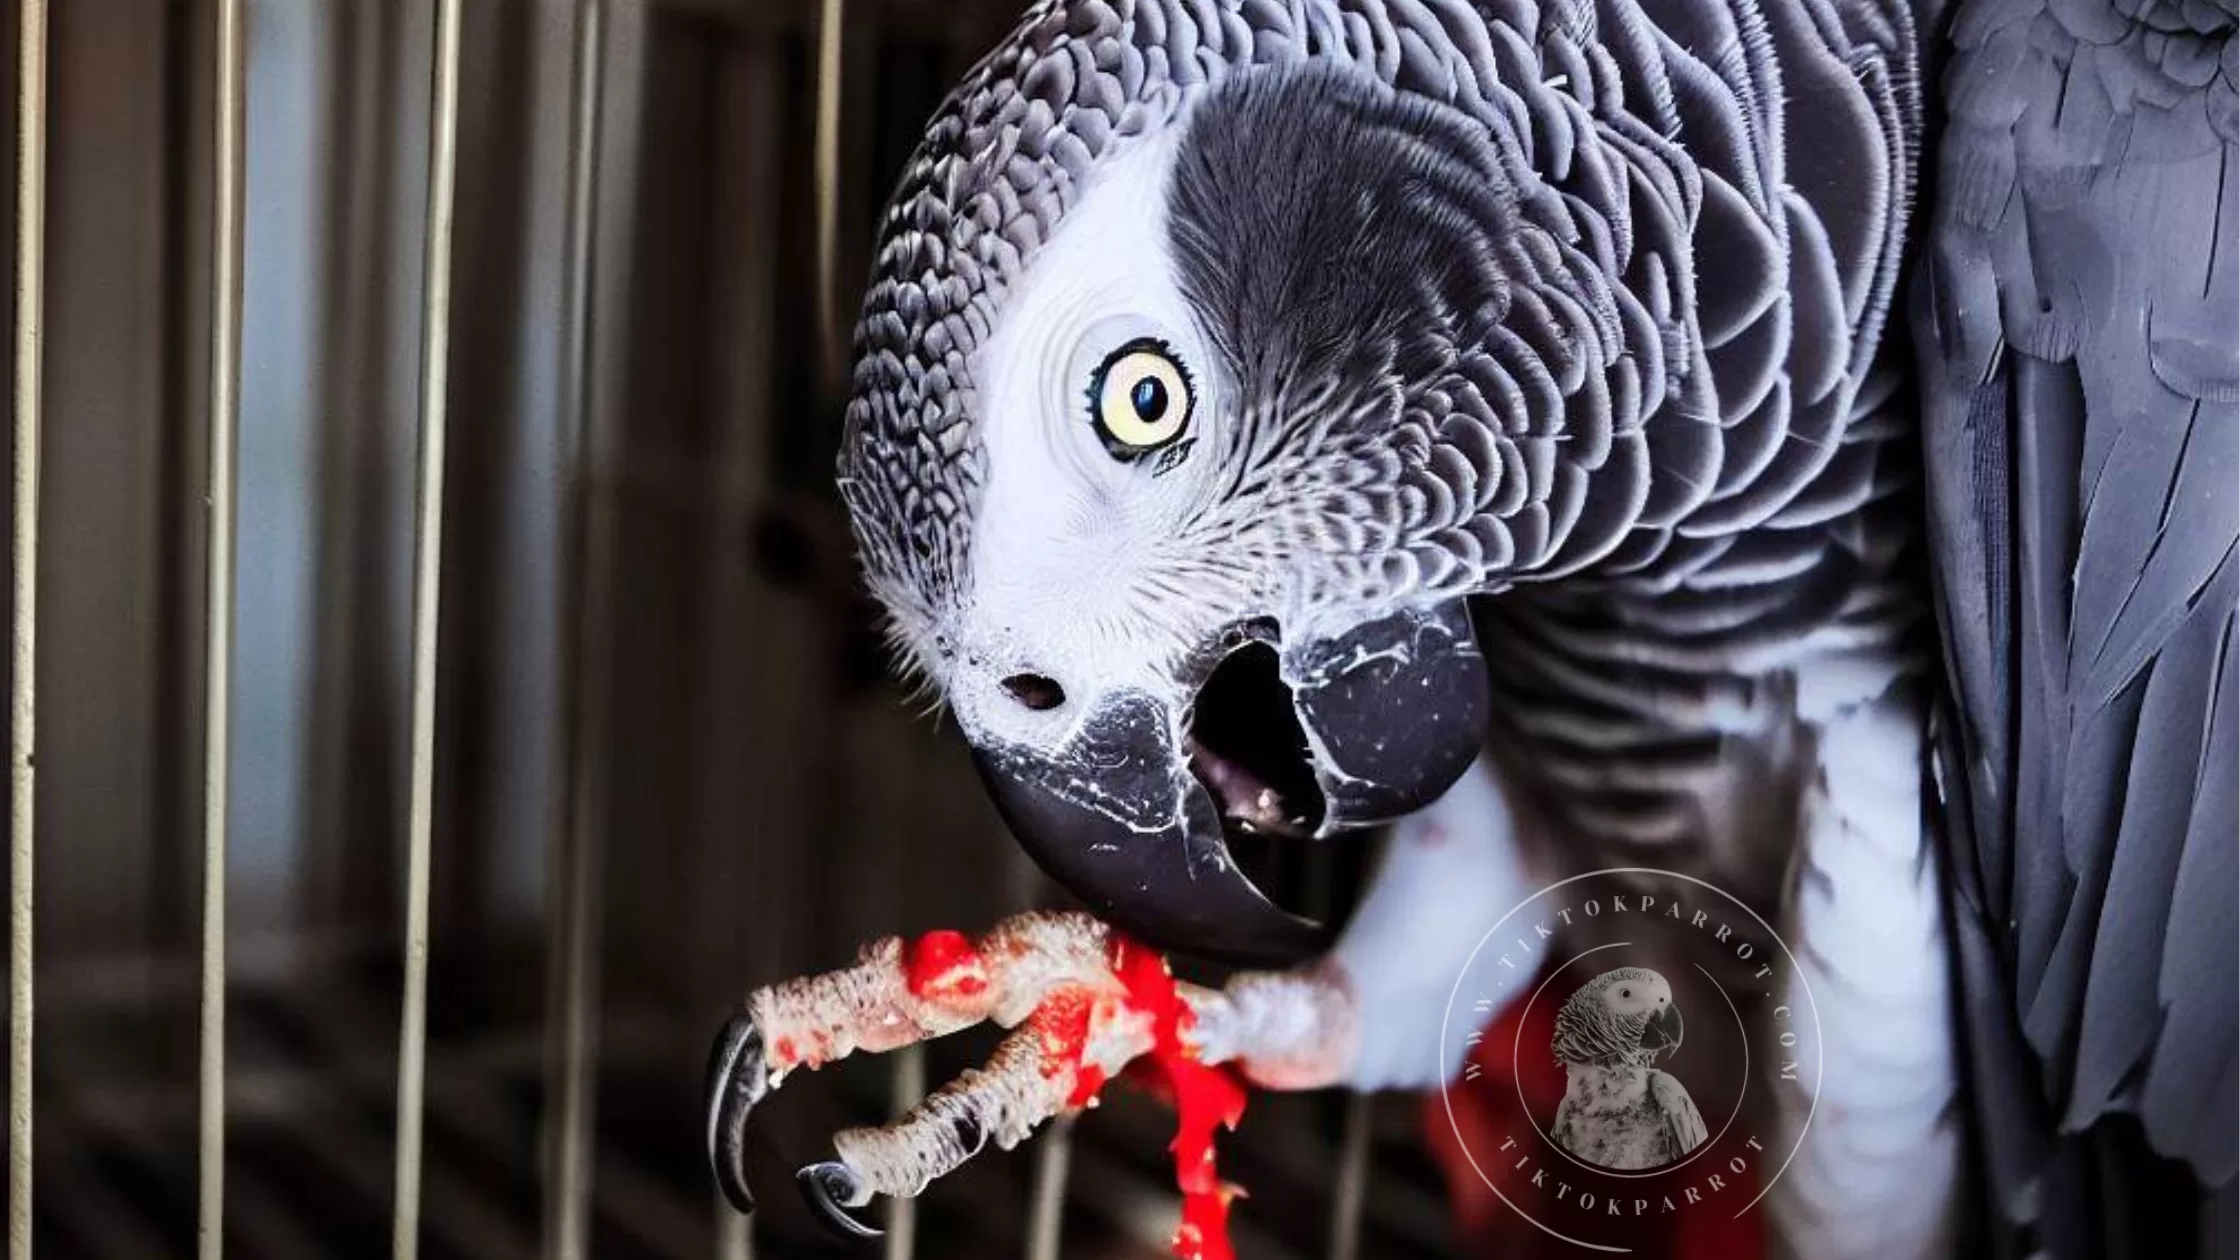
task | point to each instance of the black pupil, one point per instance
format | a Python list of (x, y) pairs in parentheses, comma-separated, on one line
[(1149, 398)]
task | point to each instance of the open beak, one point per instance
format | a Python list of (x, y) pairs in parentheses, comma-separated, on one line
[(1663, 1031), (1135, 814)]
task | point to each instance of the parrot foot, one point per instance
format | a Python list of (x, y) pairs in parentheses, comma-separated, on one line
[(1055, 980), (1297, 1029), (833, 1190), (738, 1078)]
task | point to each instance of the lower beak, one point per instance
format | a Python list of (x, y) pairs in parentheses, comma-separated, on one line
[(1165, 875), (1130, 814)]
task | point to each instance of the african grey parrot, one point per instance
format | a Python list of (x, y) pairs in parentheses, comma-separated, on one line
[(1617, 1111), (1508, 418)]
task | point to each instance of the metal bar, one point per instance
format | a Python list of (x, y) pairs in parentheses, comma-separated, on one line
[(1052, 1162), (742, 690), (217, 710), (908, 1087), (427, 565), (829, 336), (572, 981), (909, 1080), (1353, 1178), (734, 1237), (31, 210)]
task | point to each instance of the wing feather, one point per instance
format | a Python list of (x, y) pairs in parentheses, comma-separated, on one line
[(2078, 330), (1683, 1124)]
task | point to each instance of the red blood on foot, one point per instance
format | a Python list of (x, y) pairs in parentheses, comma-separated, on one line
[(787, 1053), (1061, 1028), (1204, 1097), (943, 967), (1086, 1086)]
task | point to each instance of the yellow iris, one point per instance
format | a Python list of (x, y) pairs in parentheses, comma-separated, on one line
[(1142, 400)]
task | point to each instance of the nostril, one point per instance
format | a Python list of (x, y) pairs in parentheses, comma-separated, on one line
[(1035, 691)]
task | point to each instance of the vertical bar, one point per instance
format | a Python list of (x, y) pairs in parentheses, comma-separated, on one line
[(31, 208), (1353, 1178), (572, 981), (427, 564), (734, 1235), (829, 337), (1053, 1161), (909, 1086), (909, 1080), (217, 743)]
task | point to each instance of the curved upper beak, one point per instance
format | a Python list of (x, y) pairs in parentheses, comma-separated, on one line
[(1132, 813), (1663, 1030)]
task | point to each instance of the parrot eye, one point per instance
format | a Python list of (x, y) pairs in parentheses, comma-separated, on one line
[(1140, 399), (1625, 993)]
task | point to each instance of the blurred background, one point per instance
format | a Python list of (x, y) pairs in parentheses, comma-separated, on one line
[(654, 670)]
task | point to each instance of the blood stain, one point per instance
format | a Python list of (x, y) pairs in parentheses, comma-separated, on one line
[(942, 966)]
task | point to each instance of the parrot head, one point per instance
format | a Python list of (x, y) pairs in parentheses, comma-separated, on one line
[(1176, 450), (1623, 1014)]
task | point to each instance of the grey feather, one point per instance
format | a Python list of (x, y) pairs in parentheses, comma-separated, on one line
[(1658, 301), (1684, 1124), (2078, 324)]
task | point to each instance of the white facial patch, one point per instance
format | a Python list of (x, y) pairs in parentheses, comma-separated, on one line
[(1072, 559)]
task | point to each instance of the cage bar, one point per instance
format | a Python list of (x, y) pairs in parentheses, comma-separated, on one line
[(217, 713), (1353, 1178), (31, 205), (734, 1235), (572, 954), (1053, 1163), (830, 42), (601, 151), (908, 1085), (427, 563)]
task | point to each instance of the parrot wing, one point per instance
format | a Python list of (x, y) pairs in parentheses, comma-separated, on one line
[(1683, 1124), (2076, 315)]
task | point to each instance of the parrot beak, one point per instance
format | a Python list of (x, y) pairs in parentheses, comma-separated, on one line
[(1135, 815), (1663, 1030), (1094, 822), (1395, 710)]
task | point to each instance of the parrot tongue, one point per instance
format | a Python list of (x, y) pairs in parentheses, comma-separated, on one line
[(1247, 749)]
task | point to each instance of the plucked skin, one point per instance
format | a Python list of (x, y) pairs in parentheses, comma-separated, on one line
[(1564, 323), (1618, 1111)]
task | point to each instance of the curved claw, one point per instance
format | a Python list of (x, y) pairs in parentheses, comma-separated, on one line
[(738, 1077), (831, 1189)]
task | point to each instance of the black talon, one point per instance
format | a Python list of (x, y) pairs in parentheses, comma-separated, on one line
[(830, 1189), (738, 1077)]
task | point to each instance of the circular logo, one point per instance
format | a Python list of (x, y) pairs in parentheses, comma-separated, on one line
[(1640, 1054)]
